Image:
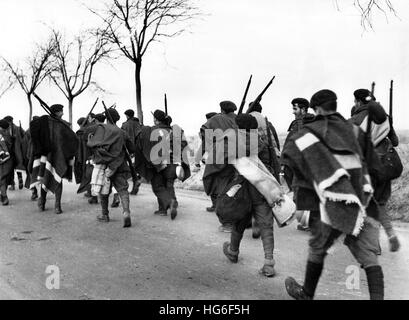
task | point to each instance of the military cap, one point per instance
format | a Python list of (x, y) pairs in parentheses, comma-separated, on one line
[(81, 121), (322, 97), (55, 108), (301, 103), (130, 113), (246, 121), (210, 115), (9, 118), (113, 114), (228, 106), (35, 118), (160, 115), (100, 117), (4, 124), (254, 107), (363, 95)]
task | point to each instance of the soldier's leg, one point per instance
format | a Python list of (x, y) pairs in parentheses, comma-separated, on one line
[(322, 238), (171, 197), (116, 200), (136, 184), (213, 197), (231, 249), (58, 196), (104, 200), (20, 180), (3, 192), (386, 223), (34, 194), (159, 189), (366, 249), (43, 199), (120, 183)]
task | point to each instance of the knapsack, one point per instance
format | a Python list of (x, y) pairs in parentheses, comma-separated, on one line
[(389, 165), (234, 204)]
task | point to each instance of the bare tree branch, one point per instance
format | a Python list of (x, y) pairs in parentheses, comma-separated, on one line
[(367, 8), (133, 25), (74, 61)]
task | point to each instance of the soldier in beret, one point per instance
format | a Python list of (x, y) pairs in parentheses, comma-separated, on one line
[(107, 143), (6, 161), (55, 146), (300, 108), (17, 134), (383, 136), (331, 180), (132, 127), (223, 121)]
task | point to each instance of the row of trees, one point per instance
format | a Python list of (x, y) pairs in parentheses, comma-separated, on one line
[(128, 28)]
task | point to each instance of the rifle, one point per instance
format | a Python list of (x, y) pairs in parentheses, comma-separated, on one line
[(391, 104), (373, 89), (243, 101), (48, 110), (166, 104), (273, 157), (89, 113), (260, 96), (127, 155)]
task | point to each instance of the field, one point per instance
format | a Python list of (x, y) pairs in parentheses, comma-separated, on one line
[(398, 205)]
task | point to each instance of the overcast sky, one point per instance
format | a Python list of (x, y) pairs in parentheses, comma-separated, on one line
[(308, 45)]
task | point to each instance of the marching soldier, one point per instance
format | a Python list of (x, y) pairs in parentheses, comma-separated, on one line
[(54, 148), (331, 180), (132, 127), (260, 209), (300, 110), (382, 135), (109, 145), (6, 161), (211, 179), (17, 134)]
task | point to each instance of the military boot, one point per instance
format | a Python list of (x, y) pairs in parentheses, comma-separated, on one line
[(126, 211), (115, 202), (58, 196), (104, 216), (233, 256), (173, 209), (42, 200), (34, 194), (20, 181), (135, 188), (93, 200), (268, 269)]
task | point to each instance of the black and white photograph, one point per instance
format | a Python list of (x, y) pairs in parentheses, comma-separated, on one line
[(212, 152)]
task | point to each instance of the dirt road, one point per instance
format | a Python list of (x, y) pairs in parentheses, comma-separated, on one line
[(158, 258)]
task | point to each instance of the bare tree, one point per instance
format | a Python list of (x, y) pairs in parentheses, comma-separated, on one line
[(367, 8), (133, 25), (74, 63), (5, 84), (36, 69)]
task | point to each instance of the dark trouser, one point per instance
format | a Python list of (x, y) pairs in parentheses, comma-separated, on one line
[(120, 182), (365, 248), (163, 186), (3, 188), (263, 216), (58, 196)]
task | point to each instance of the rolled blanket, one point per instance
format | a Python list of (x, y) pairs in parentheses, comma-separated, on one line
[(100, 184)]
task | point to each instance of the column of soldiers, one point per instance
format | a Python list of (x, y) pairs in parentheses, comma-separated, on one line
[(323, 160)]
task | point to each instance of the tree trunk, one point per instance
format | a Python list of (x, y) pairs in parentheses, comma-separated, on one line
[(30, 106), (138, 67), (70, 103)]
